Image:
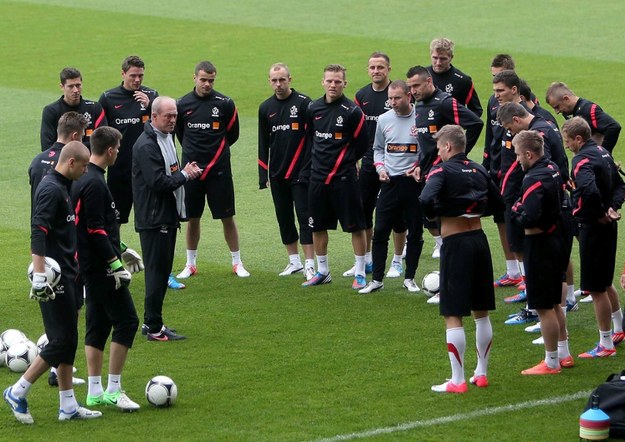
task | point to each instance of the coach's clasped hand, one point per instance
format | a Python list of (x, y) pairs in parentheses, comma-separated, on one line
[(121, 275), (41, 290), (132, 261)]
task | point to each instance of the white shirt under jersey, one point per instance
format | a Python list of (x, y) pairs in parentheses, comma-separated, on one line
[(395, 145)]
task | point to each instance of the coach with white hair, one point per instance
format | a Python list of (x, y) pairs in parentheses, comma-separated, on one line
[(158, 192)]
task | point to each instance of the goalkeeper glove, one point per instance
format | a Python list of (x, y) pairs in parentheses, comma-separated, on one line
[(41, 290), (132, 261), (121, 275)]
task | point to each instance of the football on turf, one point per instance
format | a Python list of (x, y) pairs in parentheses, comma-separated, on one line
[(3, 351), (431, 283), (12, 336), (42, 342), (53, 271), (19, 356), (161, 391)]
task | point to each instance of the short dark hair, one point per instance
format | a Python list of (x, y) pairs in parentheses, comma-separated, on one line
[(132, 61), (69, 74), (507, 111), (205, 66), (525, 90), (509, 78), (69, 123), (399, 84), (503, 61), (418, 70), (380, 55), (102, 138)]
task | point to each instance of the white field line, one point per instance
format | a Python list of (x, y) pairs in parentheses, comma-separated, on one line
[(456, 417)]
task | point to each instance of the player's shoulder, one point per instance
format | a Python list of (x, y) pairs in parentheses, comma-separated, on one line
[(459, 75)]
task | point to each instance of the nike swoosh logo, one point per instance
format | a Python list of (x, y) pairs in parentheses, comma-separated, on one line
[(117, 106), (319, 117), (189, 112), (365, 103), (272, 115)]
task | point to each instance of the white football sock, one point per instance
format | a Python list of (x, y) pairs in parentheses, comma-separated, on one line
[(68, 401), (456, 345), (512, 268), (236, 257), (95, 385), (360, 266), (114, 384), (483, 341), (617, 321), (323, 266), (191, 257)]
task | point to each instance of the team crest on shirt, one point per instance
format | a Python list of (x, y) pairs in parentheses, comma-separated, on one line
[(431, 114), (339, 120), (449, 88), (87, 116), (215, 111), (293, 111), (311, 222), (413, 131), (142, 106), (387, 105)]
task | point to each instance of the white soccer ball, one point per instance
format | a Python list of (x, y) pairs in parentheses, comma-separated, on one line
[(161, 391), (3, 351), (431, 283), (19, 356), (53, 271), (12, 336), (42, 342)]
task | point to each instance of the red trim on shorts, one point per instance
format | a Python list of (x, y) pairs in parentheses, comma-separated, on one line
[(263, 165)]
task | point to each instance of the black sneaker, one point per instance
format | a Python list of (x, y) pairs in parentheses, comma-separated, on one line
[(166, 334), (145, 329), (53, 381)]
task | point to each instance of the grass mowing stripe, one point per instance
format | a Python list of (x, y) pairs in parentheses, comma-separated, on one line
[(456, 417)]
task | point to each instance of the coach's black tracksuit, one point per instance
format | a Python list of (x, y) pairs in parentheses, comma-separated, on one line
[(99, 245), (156, 219), (460, 86), (91, 110), (599, 122), (281, 153), (127, 115), (53, 234)]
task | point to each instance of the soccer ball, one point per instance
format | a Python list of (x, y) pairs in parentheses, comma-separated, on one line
[(161, 391), (53, 271), (42, 342), (12, 336), (19, 356), (431, 283), (3, 352)]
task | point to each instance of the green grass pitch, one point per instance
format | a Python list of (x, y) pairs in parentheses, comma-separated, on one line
[(267, 360)]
